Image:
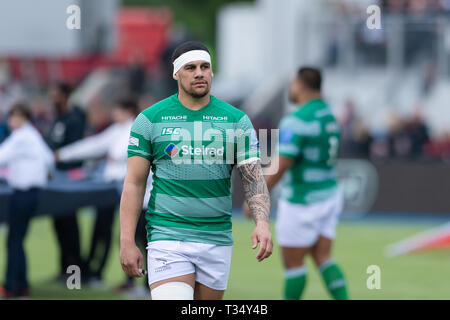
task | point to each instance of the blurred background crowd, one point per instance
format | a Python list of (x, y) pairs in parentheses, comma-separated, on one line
[(137, 64), (406, 134)]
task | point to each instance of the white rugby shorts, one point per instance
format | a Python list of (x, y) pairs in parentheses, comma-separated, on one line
[(210, 263), (300, 225)]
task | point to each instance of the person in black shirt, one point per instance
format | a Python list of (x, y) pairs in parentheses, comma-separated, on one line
[(68, 126)]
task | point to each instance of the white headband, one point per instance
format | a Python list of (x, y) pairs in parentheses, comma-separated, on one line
[(193, 55)]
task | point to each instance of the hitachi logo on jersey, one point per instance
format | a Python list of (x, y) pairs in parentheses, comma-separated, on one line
[(173, 117), (225, 118), (190, 150)]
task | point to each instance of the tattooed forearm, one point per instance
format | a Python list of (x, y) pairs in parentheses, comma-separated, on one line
[(255, 190)]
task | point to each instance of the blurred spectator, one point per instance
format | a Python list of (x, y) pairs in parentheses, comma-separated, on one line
[(418, 131), (10, 93), (164, 83), (29, 161), (347, 123), (439, 148), (68, 127), (355, 135), (362, 140), (4, 130), (98, 116), (137, 76), (42, 117), (406, 138), (417, 7), (395, 6), (379, 148), (430, 77), (400, 141), (112, 144), (443, 5)]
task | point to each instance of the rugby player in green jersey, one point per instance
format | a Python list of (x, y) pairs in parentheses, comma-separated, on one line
[(310, 201), (191, 141)]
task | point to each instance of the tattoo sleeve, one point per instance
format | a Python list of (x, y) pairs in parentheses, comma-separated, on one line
[(255, 190)]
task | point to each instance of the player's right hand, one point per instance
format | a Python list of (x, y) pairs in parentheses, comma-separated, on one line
[(131, 259), (263, 236)]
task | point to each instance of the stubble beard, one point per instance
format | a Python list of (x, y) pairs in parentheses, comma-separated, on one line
[(194, 94)]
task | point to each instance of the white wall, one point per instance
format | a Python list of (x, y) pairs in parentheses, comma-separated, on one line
[(38, 28), (240, 41)]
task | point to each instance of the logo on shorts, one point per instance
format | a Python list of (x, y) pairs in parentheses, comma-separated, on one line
[(171, 150), (164, 266)]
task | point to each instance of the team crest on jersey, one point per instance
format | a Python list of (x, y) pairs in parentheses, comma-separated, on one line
[(133, 141), (171, 150)]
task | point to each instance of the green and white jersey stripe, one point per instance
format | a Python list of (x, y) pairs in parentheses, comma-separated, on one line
[(310, 136), (192, 155)]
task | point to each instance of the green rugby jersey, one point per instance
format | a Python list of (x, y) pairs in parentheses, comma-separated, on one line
[(192, 154), (310, 136)]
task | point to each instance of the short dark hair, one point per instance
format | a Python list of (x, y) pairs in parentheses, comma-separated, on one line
[(188, 46), (63, 87), (310, 77), (22, 109), (128, 104)]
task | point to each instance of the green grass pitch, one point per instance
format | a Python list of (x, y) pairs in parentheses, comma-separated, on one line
[(358, 245)]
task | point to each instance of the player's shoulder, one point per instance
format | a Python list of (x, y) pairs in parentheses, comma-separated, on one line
[(314, 110), (232, 113), (302, 121), (293, 118), (153, 112), (304, 113)]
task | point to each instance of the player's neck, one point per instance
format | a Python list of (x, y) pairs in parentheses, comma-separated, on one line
[(193, 103), (310, 96)]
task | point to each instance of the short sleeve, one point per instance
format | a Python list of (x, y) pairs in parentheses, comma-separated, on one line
[(139, 143), (290, 140), (247, 148)]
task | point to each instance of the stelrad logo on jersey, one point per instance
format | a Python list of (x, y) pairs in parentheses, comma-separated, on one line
[(209, 143), (188, 150), (204, 151), (171, 150)]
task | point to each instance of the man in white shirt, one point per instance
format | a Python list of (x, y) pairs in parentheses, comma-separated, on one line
[(29, 161)]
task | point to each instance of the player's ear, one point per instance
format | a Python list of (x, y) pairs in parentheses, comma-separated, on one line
[(175, 76), (212, 74)]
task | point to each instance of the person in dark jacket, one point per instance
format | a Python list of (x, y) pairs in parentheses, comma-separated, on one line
[(68, 126)]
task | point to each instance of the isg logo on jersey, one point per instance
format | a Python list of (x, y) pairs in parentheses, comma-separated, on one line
[(167, 131)]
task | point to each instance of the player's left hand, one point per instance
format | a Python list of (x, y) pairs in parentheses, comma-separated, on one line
[(263, 236)]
